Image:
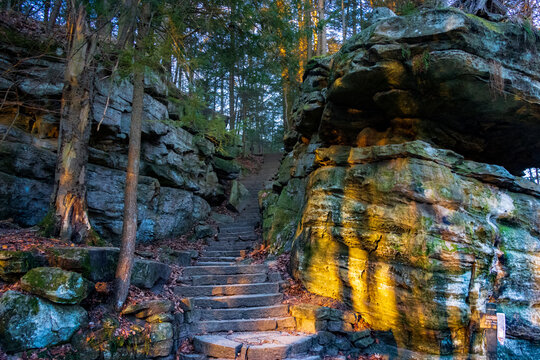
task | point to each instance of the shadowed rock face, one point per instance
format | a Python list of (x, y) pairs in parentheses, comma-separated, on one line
[(387, 199), (454, 80), (178, 175)]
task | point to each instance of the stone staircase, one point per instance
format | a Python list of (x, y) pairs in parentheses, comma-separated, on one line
[(242, 315)]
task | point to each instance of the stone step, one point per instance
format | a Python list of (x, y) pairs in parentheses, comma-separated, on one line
[(226, 290), (305, 357), (217, 258), (234, 228), (237, 301), (213, 263), (224, 270), (252, 236), (225, 279), (237, 234), (267, 324), (245, 313), (225, 253), (255, 345), (236, 239), (241, 245)]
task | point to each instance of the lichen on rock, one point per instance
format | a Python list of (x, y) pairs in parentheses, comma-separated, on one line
[(57, 285)]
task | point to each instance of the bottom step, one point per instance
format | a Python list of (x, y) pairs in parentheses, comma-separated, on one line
[(240, 325), (254, 345)]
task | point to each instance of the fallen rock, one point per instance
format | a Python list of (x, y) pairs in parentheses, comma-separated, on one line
[(226, 169), (148, 308), (177, 257), (239, 196), (147, 273), (203, 231), (56, 285), (28, 322)]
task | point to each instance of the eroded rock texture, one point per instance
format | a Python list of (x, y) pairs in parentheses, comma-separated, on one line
[(177, 178), (388, 198)]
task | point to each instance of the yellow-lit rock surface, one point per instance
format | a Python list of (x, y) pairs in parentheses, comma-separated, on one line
[(386, 197)]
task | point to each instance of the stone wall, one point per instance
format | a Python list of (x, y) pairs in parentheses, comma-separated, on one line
[(385, 199), (178, 176)]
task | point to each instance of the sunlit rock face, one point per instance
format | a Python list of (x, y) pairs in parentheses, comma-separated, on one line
[(388, 199)]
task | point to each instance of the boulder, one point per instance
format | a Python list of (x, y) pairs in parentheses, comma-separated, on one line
[(226, 169), (14, 264), (28, 322), (147, 308), (177, 176), (56, 285), (238, 197), (147, 273), (177, 257), (203, 231)]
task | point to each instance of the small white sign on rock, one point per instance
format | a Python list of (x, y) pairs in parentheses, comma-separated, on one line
[(501, 328)]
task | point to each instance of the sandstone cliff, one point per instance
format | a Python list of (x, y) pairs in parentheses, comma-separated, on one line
[(393, 196)]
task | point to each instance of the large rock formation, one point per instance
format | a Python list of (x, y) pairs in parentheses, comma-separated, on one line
[(385, 197), (177, 168)]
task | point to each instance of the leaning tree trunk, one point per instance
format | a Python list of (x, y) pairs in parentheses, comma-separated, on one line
[(129, 228), (69, 197)]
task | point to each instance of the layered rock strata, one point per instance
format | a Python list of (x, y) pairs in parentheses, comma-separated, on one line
[(393, 196), (178, 176)]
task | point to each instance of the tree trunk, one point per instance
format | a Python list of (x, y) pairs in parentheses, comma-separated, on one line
[(343, 21), (285, 89), (222, 96), (129, 228), (354, 15), (232, 114), (126, 23), (104, 23), (54, 14), (309, 24), (321, 38), (46, 9), (69, 197)]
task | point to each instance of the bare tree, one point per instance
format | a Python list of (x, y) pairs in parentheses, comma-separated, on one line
[(129, 229)]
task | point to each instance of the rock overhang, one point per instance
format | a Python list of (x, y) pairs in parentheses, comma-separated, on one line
[(442, 76)]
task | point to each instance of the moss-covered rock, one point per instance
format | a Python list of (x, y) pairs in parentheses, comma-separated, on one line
[(227, 169), (238, 196), (94, 263), (57, 285), (28, 322), (14, 264)]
